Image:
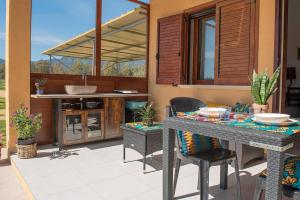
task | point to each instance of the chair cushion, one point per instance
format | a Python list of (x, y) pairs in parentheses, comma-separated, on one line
[(192, 144), (291, 172)]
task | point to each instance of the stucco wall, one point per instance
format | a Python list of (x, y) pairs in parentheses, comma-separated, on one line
[(161, 94)]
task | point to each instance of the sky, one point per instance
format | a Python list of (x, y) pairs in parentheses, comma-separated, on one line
[(54, 21), (2, 28)]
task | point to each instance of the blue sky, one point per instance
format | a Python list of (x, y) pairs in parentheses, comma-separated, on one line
[(54, 21), (2, 27)]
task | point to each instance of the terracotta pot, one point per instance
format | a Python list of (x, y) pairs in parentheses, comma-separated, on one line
[(148, 121), (260, 108)]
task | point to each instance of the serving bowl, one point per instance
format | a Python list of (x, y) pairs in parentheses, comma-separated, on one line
[(211, 111), (272, 117)]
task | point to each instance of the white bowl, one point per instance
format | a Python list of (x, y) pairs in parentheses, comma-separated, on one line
[(272, 117), (211, 111)]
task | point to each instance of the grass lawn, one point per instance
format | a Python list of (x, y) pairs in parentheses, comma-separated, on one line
[(3, 132), (2, 84), (2, 103)]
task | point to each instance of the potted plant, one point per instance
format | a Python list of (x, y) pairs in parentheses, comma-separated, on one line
[(26, 126), (262, 88), (40, 85), (147, 114)]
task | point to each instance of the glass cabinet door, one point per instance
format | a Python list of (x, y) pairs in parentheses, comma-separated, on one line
[(95, 124), (73, 127)]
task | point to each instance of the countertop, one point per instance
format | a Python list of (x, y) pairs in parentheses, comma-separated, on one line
[(86, 96)]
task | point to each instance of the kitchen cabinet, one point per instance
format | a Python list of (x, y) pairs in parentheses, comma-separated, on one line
[(81, 126), (114, 116)]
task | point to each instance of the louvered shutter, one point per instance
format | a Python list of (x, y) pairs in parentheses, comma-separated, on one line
[(170, 50), (235, 41)]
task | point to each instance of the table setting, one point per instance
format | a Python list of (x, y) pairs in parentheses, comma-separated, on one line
[(274, 132), (275, 122)]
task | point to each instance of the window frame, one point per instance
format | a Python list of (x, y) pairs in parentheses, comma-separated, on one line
[(196, 47), (204, 10)]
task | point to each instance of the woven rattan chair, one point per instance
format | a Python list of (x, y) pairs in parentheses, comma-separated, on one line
[(205, 159), (261, 185)]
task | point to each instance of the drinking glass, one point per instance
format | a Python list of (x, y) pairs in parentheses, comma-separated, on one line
[(251, 112), (226, 116)]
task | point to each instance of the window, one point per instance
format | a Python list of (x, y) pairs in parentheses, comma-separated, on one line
[(60, 31), (213, 43), (202, 47), (124, 39), (94, 37)]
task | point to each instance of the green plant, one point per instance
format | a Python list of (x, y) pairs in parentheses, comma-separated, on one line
[(147, 112), (40, 83), (262, 86), (26, 125)]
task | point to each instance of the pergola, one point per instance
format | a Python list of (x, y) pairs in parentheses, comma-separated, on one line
[(123, 39)]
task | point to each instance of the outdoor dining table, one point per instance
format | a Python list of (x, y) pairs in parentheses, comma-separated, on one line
[(276, 140)]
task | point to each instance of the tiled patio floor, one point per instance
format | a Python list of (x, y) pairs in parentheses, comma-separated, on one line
[(10, 187), (96, 171)]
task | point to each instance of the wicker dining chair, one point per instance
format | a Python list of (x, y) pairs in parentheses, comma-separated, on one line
[(203, 160), (261, 185)]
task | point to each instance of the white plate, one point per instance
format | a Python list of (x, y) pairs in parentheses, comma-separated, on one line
[(289, 122), (211, 111), (272, 117)]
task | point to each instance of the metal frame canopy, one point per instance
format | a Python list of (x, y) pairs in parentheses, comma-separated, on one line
[(122, 39)]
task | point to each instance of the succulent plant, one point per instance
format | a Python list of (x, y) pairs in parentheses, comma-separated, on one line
[(262, 86)]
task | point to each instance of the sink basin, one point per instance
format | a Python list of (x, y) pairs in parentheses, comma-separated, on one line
[(80, 89)]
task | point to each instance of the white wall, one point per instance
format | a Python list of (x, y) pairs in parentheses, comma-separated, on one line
[(294, 38)]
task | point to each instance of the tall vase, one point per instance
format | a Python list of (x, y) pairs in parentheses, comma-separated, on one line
[(260, 108)]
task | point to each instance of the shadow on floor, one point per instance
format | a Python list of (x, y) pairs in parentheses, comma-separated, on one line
[(247, 182), (105, 144), (74, 150), (155, 162)]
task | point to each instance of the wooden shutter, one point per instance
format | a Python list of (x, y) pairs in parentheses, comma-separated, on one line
[(170, 50), (235, 41)]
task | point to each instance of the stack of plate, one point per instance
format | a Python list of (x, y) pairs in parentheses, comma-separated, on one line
[(277, 119), (211, 112)]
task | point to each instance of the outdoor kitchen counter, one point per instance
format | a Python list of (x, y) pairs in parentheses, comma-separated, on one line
[(114, 109), (86, 96)]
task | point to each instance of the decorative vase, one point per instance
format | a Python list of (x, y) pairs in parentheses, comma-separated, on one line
[(148, 121), (260, 108), (39, 91), (26, 148)]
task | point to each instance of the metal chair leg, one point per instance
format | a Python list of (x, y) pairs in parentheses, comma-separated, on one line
[(259, 187), (144, 163), (199, 178), (237, 176), (204, 183), (124, 154), (177, 167)]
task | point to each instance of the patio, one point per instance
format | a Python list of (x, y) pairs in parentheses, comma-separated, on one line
[(154, 52), (96, 171)]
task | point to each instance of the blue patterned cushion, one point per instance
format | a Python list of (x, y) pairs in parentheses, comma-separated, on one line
[(291, 172), (192, 144)]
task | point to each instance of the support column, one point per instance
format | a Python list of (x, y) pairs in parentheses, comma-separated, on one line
[(17, 60)]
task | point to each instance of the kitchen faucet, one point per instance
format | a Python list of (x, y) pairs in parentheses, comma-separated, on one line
[(84, 77)]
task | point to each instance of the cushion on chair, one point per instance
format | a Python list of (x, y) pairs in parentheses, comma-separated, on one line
[(192, 144), (291, 172)]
